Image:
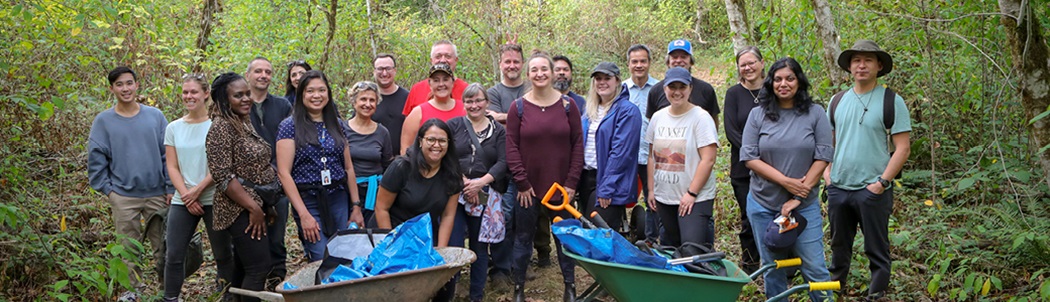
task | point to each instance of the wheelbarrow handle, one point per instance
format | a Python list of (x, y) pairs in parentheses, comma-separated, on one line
[(812, 286), (698, 258), (828, 285), (265, 295), (788, 262), (777, 264)]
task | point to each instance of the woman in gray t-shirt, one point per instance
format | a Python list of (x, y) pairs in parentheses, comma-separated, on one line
[(787, 144)]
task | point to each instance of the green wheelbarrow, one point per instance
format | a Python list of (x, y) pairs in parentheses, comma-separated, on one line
[(415, 285)]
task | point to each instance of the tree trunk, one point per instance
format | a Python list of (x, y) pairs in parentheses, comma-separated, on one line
[(829, 35), (371, 30), (211, 7), (1031, 61), (330, 15), (738, 24)]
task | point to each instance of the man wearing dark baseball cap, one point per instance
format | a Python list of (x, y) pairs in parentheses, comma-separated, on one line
[(871, 126), (680, 54)]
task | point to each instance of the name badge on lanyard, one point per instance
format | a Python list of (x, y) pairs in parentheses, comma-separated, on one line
[(326, 175)]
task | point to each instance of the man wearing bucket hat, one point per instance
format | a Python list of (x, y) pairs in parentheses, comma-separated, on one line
[(871, 145)]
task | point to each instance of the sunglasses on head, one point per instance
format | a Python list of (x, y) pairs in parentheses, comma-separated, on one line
[(296, 63), (196, 76)]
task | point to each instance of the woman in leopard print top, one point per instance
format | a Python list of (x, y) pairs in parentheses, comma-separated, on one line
[(235, 150)]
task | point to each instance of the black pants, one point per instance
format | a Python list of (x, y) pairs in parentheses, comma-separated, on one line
[(748, 250), (585, 191), (847, 209), (275, 236), (525, 230), (251, 257), (542, 241), (690, 228)]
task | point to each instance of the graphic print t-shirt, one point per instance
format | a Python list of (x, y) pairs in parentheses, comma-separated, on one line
[(675, 140)]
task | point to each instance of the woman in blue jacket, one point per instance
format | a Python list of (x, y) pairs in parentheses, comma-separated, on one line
[(612, 132)]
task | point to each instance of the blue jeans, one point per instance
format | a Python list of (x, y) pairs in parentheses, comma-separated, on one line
[(339, 209), (502, 251), (809, 247)]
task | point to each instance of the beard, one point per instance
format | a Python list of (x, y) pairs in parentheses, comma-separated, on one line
[(562, 84)]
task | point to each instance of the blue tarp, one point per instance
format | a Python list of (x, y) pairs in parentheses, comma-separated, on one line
[(408, 247), (605, 245)]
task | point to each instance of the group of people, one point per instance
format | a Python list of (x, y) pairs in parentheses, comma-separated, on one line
[(478, 160)]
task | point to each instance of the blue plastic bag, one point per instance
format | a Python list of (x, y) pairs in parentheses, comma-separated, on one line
[(605, 245)]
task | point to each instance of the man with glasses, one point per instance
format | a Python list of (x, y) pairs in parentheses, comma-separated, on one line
[(443, 52), (266, 114), (388, 112)]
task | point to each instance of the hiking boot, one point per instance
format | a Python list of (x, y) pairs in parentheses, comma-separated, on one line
[(570, 292), (543, 262), (519, 293)]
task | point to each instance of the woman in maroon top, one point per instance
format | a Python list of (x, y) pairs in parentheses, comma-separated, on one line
[(544, 146)]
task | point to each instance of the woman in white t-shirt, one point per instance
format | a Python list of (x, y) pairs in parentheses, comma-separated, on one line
[(684, 143), (187, 166)]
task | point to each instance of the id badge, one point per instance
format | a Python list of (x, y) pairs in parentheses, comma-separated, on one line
[(326, 177)]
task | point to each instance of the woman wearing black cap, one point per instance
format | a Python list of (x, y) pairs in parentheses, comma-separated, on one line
[(787, 144), (611, 127)]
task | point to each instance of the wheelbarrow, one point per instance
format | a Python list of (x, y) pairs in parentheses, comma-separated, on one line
[(415, 285), (629, 283)]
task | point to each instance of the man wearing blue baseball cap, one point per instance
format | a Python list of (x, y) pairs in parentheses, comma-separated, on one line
[(680, 54)]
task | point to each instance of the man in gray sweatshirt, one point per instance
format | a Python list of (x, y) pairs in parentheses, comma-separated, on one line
[(126, 163)]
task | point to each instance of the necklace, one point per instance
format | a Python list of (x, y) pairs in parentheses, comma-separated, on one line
[(865, 104), (752, 95)]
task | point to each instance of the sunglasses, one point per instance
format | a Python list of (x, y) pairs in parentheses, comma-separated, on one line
[(296, 63), (363, 85), (196, 76)]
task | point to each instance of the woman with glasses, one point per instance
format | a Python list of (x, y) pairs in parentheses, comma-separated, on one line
[(441, 104), (739, 100), (187, 164), (544, 146), (426, 180), (315, 166), (236, 152), (369, 142), (480, 144), (296, 69)]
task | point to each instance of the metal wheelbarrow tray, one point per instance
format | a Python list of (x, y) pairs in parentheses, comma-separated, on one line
[(629, 283), (414, 285)]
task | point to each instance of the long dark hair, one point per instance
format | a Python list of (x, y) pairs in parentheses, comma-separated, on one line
[(305, 132), (288, 88), (220, 96), (448, 175), (768, 100)]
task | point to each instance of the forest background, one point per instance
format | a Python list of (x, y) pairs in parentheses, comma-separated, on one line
[(971, 216)]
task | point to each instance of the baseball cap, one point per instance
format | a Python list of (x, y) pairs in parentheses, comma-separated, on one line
[(680, 44), (783, 242), (677, 74), (440, 67), (608, 68)]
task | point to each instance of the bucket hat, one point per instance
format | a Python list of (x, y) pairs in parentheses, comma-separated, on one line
[(782, 242), (867, 46)]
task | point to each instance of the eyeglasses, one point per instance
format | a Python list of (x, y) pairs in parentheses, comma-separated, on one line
[(436, 141), (196, 76), (748, 64), (474, 101), (296, 63), (385, 69)]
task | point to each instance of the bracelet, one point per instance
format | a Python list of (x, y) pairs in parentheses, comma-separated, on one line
[(796, 197), (356, 203), (694, 195)]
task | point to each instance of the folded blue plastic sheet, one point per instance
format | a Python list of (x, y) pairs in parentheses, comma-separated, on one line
[(606, 245)]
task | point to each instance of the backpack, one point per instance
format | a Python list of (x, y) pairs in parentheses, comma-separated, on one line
[(158, 222), (519, 103), (888, 116)]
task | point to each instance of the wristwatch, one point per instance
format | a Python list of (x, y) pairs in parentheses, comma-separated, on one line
[(357, 203), (883, 182)]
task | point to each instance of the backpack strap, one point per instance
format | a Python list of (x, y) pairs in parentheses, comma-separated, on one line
[(835, 104), (888, 108), (521, 107)]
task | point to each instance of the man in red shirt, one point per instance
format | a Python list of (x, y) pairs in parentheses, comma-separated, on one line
[(442, 52)]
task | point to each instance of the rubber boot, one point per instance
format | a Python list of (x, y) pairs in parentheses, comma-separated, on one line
[(519, 293), (570, 292)]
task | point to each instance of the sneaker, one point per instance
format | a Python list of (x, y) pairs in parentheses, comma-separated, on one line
[(128, 296)]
